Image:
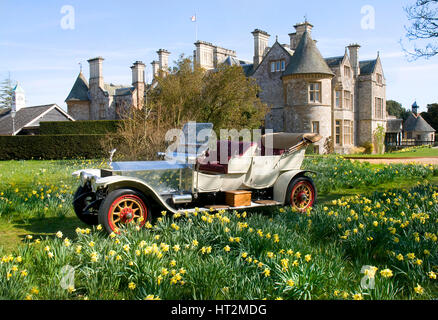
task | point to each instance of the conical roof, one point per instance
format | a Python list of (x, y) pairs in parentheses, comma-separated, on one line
[(417, 124), (307, 59), (79, 92)]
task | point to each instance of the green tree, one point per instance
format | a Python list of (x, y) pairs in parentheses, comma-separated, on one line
[(224, 97), (6, 94), (395, 108), (431, 116)]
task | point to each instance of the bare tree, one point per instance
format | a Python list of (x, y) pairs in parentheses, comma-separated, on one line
[(423, 15)]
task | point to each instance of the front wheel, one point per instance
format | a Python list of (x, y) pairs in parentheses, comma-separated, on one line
[(81, 201), (122, 207), (301, 194)]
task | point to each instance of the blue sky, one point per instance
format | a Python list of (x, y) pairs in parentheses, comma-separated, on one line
[(45, 58)]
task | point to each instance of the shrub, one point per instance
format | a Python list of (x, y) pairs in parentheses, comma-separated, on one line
[(79, 127), (357, 150), (368, 146), (51, 147)]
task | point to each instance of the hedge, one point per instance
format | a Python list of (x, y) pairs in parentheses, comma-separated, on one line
[(79, 127), (50, 147)]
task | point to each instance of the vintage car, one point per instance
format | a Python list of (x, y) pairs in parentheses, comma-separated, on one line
[(201, 173)]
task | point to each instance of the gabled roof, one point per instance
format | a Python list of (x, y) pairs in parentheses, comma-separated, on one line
[(246, 65), (307, 59), (367, 67), (117, 90), (417, 123), (333, 62), (250, 67), (25, 117), (394, 125), (79, 92)]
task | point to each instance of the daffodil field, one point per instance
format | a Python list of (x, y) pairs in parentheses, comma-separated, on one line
[(379, 245)]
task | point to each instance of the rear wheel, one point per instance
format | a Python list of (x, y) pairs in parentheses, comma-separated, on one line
[(122, 207), (82, 198), (301, 194)]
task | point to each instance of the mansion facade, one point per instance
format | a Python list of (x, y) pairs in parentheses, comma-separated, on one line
[(342, 98)]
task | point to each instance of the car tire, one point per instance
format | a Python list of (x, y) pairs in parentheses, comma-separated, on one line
[(79, 205), (122, 207), (301, 193)]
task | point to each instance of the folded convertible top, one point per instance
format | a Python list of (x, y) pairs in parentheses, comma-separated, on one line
[(285, 141)]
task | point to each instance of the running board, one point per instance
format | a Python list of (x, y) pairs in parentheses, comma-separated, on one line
[(263, 203)]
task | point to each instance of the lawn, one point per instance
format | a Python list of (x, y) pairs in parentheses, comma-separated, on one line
[(422, 152), (380, 216)]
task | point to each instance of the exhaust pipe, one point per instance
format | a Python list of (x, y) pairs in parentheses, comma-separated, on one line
[(183, 198)]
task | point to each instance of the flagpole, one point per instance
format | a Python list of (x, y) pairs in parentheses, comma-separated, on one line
[(195, 20)]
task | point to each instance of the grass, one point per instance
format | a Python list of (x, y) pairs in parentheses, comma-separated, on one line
[(423, 152), (272, 253)]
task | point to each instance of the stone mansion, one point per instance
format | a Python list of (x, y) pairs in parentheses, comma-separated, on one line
[(342, 98)]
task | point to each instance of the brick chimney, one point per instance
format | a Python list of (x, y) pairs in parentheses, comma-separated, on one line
[(354, 58), (163, 59), (261, 40), (138, 82), (96, 75), (300, 28), (155, 68)]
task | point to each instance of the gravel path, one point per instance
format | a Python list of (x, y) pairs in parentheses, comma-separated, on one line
[(405, 160)]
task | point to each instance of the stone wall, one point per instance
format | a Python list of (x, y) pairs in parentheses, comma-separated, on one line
[(79, 110), (271, 86)]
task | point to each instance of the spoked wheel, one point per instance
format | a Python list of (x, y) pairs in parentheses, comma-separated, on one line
[(301, 194), (122, 207)]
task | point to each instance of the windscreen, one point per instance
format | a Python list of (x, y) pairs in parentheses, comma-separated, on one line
[(192, 142)]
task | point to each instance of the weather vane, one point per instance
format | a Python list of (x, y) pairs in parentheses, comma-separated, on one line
[(80, 66)]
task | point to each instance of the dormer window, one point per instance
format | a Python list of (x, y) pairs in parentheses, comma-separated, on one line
[(278, 65), (347, 72), (379, 79)]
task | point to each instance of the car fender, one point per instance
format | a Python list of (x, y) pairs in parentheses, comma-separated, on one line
[(283, 181), (120, 182), (92, 172)]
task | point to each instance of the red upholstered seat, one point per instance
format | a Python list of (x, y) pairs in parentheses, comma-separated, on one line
[(212, 164), (273, 152)]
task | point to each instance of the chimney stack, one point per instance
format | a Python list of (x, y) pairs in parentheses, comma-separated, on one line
[(163, 58), (138, 82), (354, 58), (96, 75), (296, 36), (155, 68), (261, 39), (138, 72)]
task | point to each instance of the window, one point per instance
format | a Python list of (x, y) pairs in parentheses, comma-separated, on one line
[(348, 100), (315, 92), (338, 132), (348, 132), (278, 65), (378, 108), (102, 113), (347, 72), (315, 127), (379, 79), (338, 99)]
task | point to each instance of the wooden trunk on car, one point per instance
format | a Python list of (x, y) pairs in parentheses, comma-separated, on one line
[(238, 198)]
